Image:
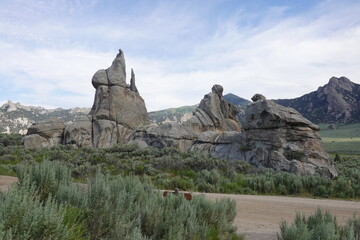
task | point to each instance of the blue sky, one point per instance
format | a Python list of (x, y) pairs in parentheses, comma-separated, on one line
[(50, 49)]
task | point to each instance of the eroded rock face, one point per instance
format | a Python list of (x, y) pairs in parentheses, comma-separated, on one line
[(275, 137), (214, 113), (115, 100), (45, 134), (171, 134), (79, 133)]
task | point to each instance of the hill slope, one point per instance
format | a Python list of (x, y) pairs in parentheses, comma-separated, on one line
[(336, 102)]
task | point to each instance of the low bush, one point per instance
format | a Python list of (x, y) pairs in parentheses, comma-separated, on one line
[(47, 205), (168, 168), (319, 226)]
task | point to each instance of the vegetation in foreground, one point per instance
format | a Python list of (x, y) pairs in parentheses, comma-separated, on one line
[(319, 226), (47, 205), (192, 171)]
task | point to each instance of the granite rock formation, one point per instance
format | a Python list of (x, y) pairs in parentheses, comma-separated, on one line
[(117, 111), (115, 100), (171, 134), (272, 136), (47, 133), (275, 137), (214, 114)]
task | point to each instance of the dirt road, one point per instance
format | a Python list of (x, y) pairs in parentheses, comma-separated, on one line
[(259, 216), (5, 182)]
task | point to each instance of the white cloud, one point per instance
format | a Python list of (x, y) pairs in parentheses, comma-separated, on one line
[(177, 58)]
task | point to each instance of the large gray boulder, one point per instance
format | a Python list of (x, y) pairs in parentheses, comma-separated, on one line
[(79, 134), (279, 137), (47, 133), (171, 134), (214, 113), (35, 141)]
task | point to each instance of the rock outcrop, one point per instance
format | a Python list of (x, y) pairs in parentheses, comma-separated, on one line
[(272, 136), (280, 138), (214, 114), (171, 134), (115, 100), (47, 133), (117, 111), (79, 133), (275, 137)]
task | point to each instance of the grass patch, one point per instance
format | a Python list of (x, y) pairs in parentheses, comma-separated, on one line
[(345, 139), (342, 145)]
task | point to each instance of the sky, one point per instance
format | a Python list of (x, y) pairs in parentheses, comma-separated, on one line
[(50, 49)]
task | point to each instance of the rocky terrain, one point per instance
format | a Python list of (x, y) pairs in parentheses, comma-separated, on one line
[(16, 118), (272, 136), (336, 102)]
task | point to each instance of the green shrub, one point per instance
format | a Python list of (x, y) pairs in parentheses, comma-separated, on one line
[(318, 226), (47, 177), (106, 208), (24, 216)]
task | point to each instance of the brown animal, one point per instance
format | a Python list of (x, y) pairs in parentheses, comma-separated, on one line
[(187, 196)]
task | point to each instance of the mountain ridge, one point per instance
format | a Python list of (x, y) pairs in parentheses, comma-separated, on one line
[(338, 101), (17, 118)]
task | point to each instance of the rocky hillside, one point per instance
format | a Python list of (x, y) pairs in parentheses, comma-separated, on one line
[(338, 101), (16, 118), (182, 114)]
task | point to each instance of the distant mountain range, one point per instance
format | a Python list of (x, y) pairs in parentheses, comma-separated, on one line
[(16, 118), (336, 102)]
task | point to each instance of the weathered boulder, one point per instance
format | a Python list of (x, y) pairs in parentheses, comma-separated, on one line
[(47, 134), (214, 113), (127, 108), (171, 134), (221, 144), (280, 138), (104, 133), (35, 141), (79, 133), (115, 75), (266, 114), (258, 97)]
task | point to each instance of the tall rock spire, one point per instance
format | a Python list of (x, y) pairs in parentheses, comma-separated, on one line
[(132, 82)]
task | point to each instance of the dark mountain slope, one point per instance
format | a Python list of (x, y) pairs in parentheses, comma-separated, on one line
[(338, 101)]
